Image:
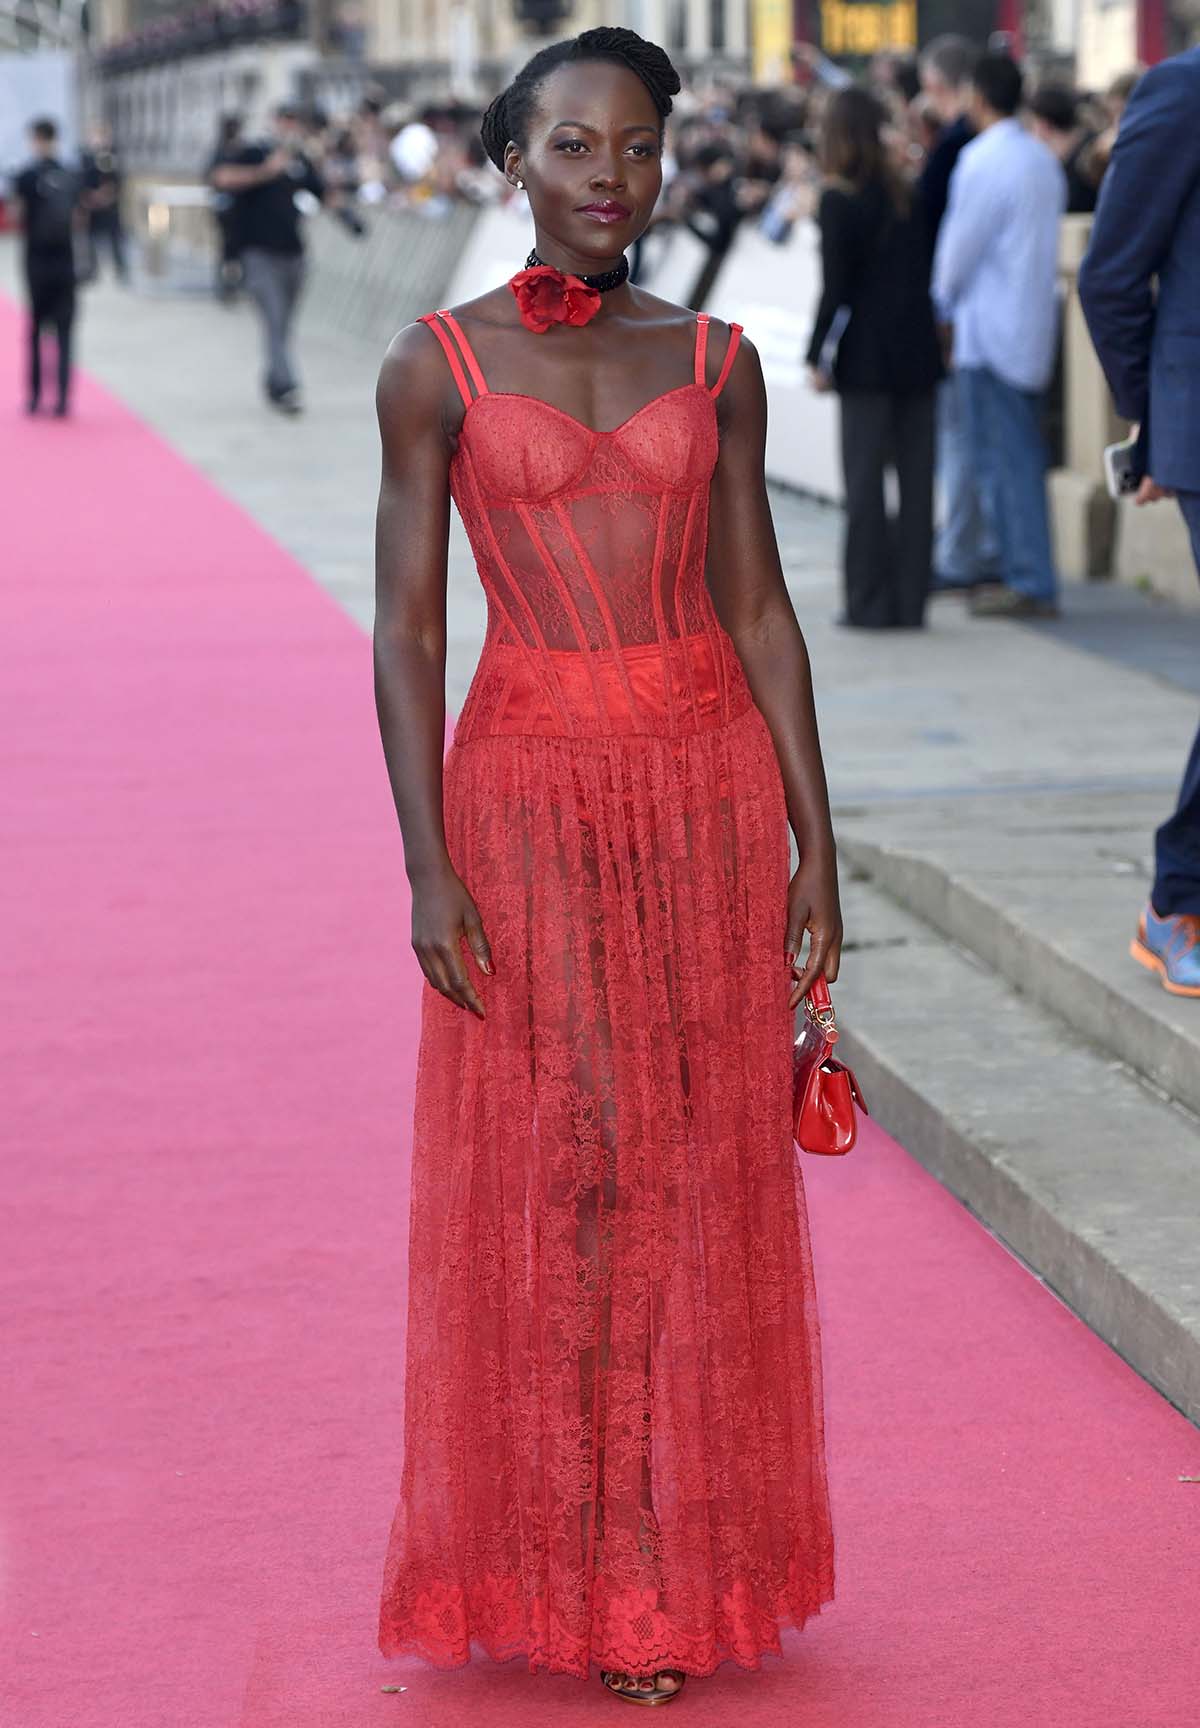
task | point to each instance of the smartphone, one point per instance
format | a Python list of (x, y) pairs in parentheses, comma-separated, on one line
[(1123, 468)]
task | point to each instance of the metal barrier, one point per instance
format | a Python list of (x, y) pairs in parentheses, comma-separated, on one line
[(370, 287)]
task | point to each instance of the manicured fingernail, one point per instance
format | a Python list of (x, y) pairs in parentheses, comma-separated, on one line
[(789, 957)]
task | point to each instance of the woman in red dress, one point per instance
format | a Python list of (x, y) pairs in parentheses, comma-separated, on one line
[(613, 1446)]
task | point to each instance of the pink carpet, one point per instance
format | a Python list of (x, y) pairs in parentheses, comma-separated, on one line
[(208, 1010)]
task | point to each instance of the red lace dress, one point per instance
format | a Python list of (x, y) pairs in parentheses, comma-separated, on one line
[(613, 1445)]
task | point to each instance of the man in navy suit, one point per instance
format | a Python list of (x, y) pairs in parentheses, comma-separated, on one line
[(1148, 225)]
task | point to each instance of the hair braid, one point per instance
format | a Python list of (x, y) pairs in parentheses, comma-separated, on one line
[(507, 118)]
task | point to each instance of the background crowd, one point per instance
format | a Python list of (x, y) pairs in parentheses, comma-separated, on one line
[(855, 152)]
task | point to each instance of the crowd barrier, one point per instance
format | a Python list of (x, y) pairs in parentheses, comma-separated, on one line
[(373, 285), (772, 290)]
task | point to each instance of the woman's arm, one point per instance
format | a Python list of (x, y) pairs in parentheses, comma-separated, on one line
[(411, 538), (745, 579)]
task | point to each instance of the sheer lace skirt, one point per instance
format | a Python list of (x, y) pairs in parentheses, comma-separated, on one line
[(613, 1445)]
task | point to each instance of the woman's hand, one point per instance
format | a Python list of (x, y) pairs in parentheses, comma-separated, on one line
[(442, 914), (819, 381), (813, 905)]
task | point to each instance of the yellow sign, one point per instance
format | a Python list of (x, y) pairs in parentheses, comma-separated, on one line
[(847, 28), (771, 35)]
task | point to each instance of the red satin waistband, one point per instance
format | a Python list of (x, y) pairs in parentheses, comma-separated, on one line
[(690, 685)]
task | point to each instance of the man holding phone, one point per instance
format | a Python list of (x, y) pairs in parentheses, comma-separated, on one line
[(1147, 228)]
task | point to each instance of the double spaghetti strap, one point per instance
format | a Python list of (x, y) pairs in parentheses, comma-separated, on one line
[(701, 348), (735, 334), (445, 327)]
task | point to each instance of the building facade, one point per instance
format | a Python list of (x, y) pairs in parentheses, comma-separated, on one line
[(1112, 36), (168, 69)]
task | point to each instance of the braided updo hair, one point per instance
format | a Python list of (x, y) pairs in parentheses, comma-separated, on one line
[(508, 117)]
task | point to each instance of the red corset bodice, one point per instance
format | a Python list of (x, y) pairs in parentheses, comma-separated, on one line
[(591, 549)]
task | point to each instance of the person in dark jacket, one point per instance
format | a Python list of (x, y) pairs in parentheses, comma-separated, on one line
[(49, 195), (946, 66), (874, 339), (1137, 286), (225, 211), (103, 179), (1054, 118)]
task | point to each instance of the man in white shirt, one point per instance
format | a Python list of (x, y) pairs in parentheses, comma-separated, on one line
[(995, 283)]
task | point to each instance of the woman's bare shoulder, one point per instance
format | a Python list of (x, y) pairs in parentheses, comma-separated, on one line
[(668, 315), (412, 375), (678, 323), (414, 352)]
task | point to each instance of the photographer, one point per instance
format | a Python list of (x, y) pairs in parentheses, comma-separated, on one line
[(225, 210), (266, 178)]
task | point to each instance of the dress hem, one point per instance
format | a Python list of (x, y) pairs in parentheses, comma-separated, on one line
[(478, 1647)]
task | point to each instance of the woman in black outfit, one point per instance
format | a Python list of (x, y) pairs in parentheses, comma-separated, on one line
[(876, 316)]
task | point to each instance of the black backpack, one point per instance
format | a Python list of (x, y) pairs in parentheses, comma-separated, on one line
[(51, 218)]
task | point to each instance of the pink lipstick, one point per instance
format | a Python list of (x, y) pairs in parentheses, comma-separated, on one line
[(605, 210)]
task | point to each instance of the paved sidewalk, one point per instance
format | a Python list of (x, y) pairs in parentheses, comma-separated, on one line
[(1000, 782)]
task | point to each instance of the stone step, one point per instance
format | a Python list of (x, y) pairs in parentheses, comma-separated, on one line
[(1083, 1169), (1047, 891)]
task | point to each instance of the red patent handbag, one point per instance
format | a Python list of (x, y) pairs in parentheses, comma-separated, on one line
[(824, 1090)]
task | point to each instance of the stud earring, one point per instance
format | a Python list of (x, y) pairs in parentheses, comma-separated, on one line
[(520, 185)]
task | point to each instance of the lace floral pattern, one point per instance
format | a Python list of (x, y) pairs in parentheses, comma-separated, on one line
[(613, 1447)]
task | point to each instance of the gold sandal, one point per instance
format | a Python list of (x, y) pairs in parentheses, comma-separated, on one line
[(623, 1684)]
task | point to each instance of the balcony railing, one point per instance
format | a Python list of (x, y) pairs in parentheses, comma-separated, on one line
[(205, 30)]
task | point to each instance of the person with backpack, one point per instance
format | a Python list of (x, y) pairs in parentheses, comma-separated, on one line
[(49, 195)]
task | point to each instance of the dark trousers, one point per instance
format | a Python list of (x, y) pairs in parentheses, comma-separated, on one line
[(51, 302), (1177, 843), (105, 229), (887, 564), (229, 259)]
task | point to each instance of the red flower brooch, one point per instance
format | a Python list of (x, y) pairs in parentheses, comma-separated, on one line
[(547, 296)]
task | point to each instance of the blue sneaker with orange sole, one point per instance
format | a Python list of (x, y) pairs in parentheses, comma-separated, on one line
[(1171, 947)]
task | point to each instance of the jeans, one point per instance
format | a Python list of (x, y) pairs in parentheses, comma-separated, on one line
[(966, 548), (1177, 843), (887, 564), (275, 279), (1009, 453)]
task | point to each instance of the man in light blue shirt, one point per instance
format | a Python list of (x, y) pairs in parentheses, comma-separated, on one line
[(995, 282)]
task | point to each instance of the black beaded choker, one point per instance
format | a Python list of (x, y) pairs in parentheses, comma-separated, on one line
[(601, 282)]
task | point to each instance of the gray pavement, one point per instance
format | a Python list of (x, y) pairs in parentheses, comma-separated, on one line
[(996, 787)]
